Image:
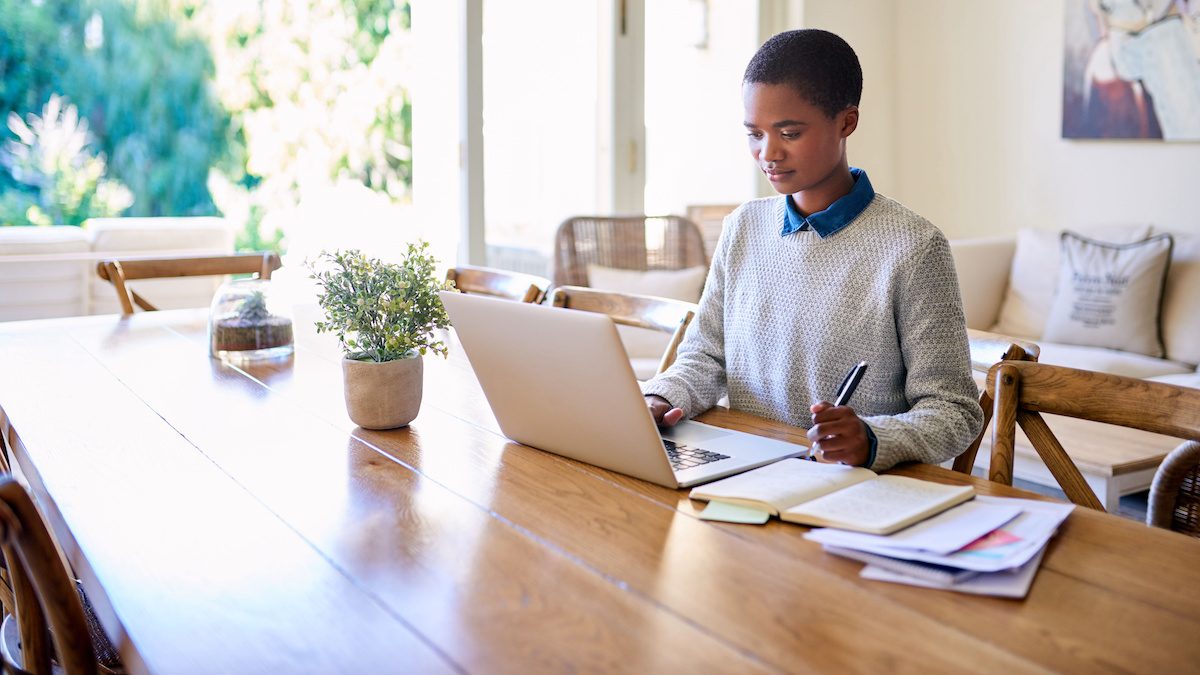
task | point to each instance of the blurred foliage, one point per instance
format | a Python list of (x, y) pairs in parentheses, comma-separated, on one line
[(142, 80), (206, 106), (319, 91), (250, 237), (153, 106), (60, 182)]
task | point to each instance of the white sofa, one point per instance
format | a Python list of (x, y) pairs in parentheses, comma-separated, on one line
[(48, 272), (1008, 285)]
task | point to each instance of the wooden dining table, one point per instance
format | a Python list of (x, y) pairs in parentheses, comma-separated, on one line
[(232, 519)]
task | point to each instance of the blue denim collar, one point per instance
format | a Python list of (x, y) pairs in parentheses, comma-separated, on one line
[(838, 215)]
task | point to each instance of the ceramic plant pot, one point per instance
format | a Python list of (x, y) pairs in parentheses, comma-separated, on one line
[(383, 395)]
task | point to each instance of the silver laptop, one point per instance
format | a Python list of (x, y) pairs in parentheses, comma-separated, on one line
[(559, 380)]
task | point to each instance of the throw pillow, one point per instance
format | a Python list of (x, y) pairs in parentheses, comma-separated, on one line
[(1034, 273), (685, 284), (1110, 295)]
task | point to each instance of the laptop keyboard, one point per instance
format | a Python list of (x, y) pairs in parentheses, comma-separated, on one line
[(685, 456)]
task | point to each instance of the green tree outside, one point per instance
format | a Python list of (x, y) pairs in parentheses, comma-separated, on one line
[(181, 101)]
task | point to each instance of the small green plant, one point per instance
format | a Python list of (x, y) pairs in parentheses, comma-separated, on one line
[(381, 311), (254, 308)]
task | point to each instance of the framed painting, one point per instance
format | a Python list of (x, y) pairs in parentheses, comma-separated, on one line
[(1131, 69)]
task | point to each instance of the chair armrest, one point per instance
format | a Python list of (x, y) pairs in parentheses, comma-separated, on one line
[(983, 265)]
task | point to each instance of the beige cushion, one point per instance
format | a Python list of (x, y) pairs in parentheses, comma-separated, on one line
[(983, 267), (1110, 295), (642, 343), (1112, 361), (1034, 275), (1182, 379), (1181, 302), (44, 289)]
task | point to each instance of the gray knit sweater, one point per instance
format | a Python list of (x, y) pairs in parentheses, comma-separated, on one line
[(782, 320)]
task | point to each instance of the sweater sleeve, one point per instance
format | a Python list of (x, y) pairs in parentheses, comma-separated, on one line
[(945, 415), (697, 380)]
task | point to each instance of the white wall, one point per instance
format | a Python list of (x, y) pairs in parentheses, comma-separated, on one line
[(696, 149), (979, 115), (962, 117), (869, 27)]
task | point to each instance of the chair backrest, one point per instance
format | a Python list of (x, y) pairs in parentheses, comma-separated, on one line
[(1174, 501), (625, 242), (988, 349), (43, 588), (1024, 389), (641, 311), (710, 218), (119, 271), (499, 283)]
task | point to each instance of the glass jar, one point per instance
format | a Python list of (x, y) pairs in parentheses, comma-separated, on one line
[(248, 321)]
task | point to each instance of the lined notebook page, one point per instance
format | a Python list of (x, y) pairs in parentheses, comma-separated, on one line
[(784, 483), (881, 503)]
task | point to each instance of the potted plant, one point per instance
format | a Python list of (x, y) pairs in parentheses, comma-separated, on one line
[(384, 316)]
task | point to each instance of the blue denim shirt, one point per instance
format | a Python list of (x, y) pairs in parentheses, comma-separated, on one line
[(838, 215), (824, 223)]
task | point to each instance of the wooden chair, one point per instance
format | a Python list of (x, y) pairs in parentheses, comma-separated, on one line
[(1175, 494), (7, 602), (642, 311), (988, 349), (121, 271), (500, 283), (1025, 389), (44, 591), (626, 242)]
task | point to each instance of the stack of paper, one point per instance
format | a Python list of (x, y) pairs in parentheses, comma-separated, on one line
[(988, 546)]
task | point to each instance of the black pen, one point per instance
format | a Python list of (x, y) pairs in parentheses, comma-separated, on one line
[(846, 389)]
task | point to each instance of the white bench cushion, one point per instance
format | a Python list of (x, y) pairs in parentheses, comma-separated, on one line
[(45, 289), (1182, 379), (1107, 360)]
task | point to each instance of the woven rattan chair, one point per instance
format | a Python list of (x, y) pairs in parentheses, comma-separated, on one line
[(1175, 493), (499, 283), (988, 349), (625, 242), (50, 622), (1024, 389), (640, 311), (121, 271)]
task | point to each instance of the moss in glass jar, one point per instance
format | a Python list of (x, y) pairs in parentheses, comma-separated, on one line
[(252, 328)]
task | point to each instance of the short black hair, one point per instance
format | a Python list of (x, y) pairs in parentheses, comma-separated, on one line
[(819, 65)]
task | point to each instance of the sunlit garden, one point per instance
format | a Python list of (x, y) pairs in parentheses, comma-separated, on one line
[(202, 108)]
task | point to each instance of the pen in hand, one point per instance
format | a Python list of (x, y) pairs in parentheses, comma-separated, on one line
[(849, 384), (845, 390)]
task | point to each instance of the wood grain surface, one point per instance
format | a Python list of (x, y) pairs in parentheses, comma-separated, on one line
[(229, 519)]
